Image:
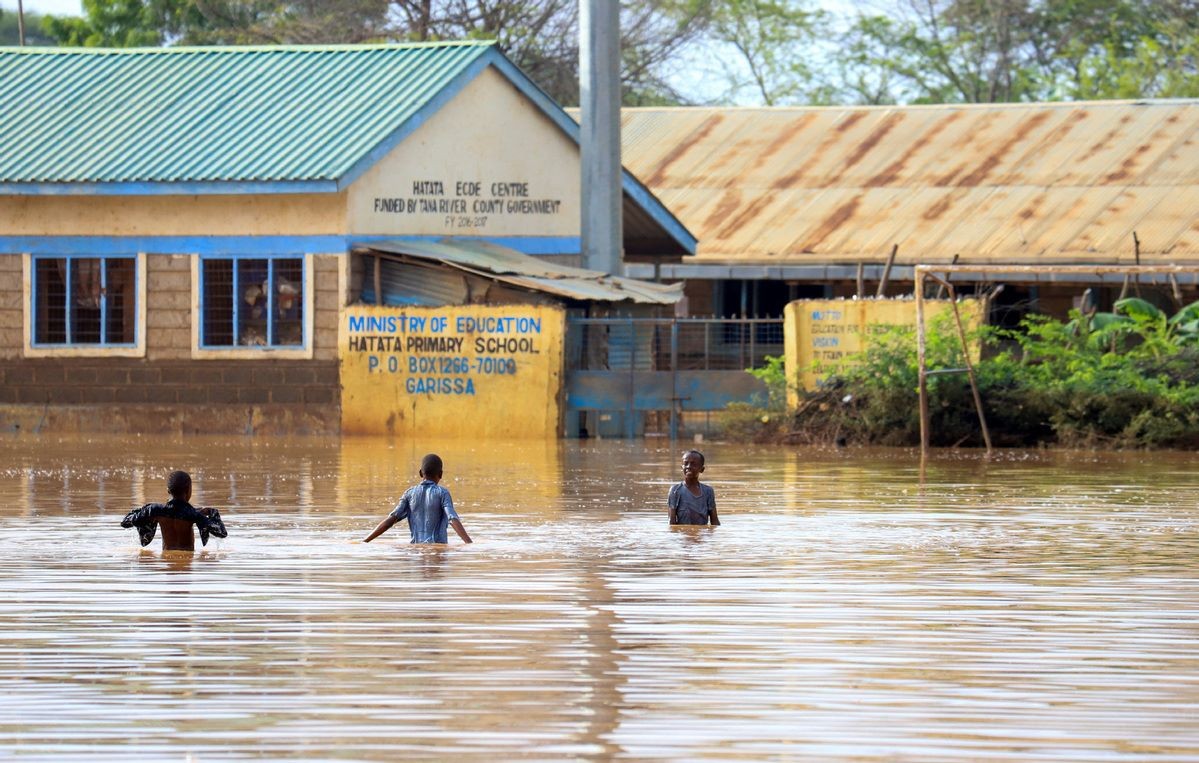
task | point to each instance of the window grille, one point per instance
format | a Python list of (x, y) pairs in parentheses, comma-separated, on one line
[(252, 302), (89, 301)]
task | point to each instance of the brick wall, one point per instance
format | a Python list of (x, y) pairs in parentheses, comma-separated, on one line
[(76, 381), (324, 325), (168, 376), (10, 306)]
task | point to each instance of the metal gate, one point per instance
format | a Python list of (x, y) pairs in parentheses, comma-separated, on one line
[(620, 368)]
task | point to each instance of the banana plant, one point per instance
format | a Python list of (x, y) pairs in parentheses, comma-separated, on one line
[(1136, 316), (1184, 325)]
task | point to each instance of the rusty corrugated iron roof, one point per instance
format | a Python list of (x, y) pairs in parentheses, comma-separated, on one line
[(1002, 183), (533, 273)]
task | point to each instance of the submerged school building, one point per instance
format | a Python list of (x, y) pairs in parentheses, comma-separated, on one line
[(794, 203), (182, 231)]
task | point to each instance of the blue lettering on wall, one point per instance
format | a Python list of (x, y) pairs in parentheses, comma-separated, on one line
[(439, 385), (377, 324)]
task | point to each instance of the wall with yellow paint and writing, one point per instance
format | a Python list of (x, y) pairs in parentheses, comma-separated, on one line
[(821, 335), (457, 371)]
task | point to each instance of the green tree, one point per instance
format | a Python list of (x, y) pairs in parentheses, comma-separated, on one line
[(540, 36), (981, 51), (773, 43), (10, 29)]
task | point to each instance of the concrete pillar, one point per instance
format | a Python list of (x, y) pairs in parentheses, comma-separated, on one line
[(599, 96)]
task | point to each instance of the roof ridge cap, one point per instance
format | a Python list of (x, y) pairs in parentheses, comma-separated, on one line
[(240, 49)]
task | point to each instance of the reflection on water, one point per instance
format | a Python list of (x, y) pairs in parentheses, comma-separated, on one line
[(1033, 608)]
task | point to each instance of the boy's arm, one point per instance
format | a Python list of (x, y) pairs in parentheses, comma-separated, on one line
[(447, 505), (712, 516), (458, 528), (672, 503), (382, 527)]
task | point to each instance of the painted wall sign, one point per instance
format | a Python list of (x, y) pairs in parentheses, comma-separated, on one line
[(489, 163), (457, 371), (466, 204), (821, 335)]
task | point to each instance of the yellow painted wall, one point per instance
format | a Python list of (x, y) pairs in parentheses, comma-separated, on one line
[(372, 476), (248, 215), (459, 371), (489, 163), (819, 335)]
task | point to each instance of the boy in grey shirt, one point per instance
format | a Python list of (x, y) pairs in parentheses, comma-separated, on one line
[(690, 501), (427, 507)]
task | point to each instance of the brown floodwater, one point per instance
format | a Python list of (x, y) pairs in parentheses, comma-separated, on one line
[(1036, 607)]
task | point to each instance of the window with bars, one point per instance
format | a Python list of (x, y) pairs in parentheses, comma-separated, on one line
[(84, 301), (252, 302)]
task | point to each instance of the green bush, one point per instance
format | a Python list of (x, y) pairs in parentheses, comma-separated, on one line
[(1124, 379)]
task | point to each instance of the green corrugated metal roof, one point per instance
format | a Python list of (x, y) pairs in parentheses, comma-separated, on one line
[(262, 114)]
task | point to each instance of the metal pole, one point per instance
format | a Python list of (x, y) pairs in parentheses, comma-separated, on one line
[(21, 23), (957, 317), (707, 343), (919, 279), (753, 348), (378, 280), (629, 429), (599, 91), (674, 379)]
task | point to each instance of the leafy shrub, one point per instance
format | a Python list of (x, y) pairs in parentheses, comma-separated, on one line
[(1124, 379)]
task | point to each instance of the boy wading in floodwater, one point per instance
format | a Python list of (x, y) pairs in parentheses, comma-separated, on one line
[(176, 518), (692, 502), (427, 507)]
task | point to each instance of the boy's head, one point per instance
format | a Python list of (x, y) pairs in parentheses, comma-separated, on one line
[(693, 463), (431, 467), (179, 485)]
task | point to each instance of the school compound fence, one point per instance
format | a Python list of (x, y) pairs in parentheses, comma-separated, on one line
[(623, 375)]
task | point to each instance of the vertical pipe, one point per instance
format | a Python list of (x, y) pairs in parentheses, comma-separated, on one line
[(707, 344), (68, 332), (861, 292), (753, 348), (629, 429), (21, 23), (270, 303), (236, 301), (599, 86), (919, 278), (35, 305), (674, 380), (378, 280), (103, 301), (741, 324)]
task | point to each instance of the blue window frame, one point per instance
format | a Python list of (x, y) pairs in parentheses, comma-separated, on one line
[(251, 302), (81, 301)]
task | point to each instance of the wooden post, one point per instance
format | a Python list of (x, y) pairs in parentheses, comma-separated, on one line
[(918, 277), (882, 284), (861, 292), (941, 289), (1136, 252)]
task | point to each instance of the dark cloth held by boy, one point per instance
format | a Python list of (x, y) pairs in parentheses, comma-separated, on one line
[(176, 517)]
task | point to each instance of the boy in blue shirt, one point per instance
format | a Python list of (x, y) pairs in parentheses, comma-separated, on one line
[(690, 501), (427, 507)]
